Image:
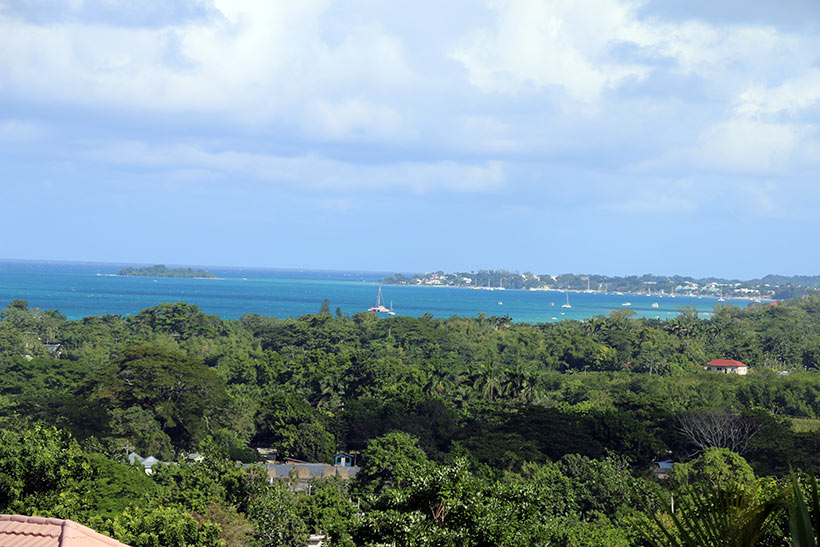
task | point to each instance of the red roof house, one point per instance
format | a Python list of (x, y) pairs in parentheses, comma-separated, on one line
[(727, 366), (23, 531)]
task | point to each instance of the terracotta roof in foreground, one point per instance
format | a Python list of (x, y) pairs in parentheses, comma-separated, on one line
[(23, 531), (726, 363)]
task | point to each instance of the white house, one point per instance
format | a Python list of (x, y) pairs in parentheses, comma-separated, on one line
[(727, 366)]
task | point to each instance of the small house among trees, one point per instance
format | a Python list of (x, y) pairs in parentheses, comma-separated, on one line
[(727, 366)]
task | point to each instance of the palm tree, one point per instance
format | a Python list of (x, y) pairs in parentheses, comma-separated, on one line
[(714, 518), (488, 381), (439, 380), (522, 384), (801, 525)]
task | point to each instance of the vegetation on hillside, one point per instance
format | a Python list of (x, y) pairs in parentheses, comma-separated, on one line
[(469, 431)]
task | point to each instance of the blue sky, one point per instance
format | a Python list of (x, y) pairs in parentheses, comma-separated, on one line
[(597, 136)]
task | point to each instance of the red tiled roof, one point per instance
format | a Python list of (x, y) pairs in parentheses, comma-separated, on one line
[(23, 531), (726, 363)]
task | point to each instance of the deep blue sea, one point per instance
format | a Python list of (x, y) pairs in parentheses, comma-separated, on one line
[(82, 289)]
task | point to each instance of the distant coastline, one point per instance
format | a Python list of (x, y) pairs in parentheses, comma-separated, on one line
[(79, 290), (771, 287), (584, 291), (160, 270)]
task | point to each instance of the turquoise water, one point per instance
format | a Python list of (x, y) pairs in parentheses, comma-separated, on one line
[(81, 289)]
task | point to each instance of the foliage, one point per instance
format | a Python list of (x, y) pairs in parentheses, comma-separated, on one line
[(272, 511), (183, 394), (708, 517), (160, 270), (390, 461), (165, 526), (470, 431), (718, 468)]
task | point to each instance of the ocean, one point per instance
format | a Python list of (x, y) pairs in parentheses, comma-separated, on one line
[(81, 289)]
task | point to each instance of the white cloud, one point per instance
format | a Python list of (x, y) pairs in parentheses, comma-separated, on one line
[(257, 61), (717, 52), (351, 120), (790, 97), (539, 79), (747, 146), (651, 198), (538, 44), (587, 48), (309, 171)]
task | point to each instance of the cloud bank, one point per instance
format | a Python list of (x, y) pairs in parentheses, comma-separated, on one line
[(615, 106)]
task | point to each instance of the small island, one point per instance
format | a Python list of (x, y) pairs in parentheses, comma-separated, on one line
[(159, 270)]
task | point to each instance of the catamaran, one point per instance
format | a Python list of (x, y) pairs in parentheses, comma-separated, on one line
[(567, 305), (379, 307)]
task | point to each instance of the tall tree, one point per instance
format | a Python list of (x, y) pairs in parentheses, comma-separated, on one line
[(184, 395)]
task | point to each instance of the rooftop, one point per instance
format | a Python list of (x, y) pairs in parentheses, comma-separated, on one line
[(725, 363), (23, 531)]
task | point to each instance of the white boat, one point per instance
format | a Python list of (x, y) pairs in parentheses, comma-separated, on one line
[(626, 304), (655, 305), (567, 305), (379, 307)]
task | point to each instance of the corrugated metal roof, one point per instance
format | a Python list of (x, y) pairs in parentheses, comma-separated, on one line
[(24, 531), (315, 469)]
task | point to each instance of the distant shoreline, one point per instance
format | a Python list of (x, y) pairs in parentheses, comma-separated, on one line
[(80, 291), (576, 291)]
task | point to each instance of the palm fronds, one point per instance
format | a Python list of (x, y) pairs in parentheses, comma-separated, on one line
[(714, 518), (801, 525)]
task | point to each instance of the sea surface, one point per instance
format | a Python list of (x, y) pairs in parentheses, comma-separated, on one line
[(81, 289)]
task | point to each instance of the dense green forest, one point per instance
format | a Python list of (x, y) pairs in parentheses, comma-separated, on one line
[(469, 431), (160, 270)]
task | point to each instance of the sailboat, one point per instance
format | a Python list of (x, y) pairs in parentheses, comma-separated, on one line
[(567, 305), (379, 307)]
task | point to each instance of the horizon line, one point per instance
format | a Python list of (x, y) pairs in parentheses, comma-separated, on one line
[(388, 272)]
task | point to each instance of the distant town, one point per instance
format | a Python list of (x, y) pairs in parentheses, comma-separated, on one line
[(769, 287)]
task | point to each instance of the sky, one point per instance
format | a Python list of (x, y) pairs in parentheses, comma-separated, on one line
[(594, 136)]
